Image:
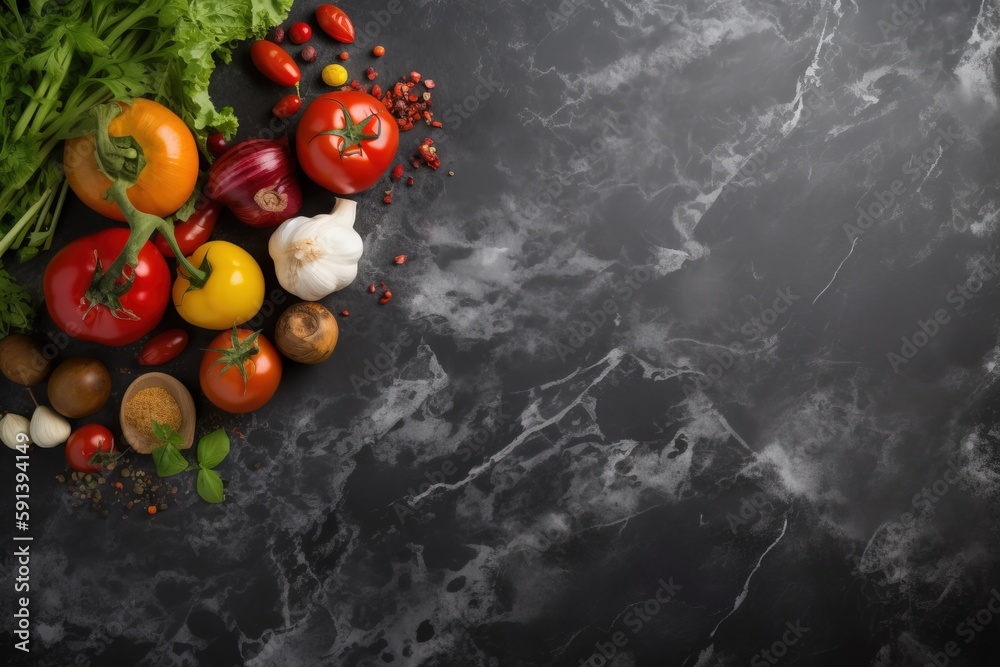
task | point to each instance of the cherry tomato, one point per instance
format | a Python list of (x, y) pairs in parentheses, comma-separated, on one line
[(193, 232), (346, 140), (335, 23), (163, 347), (300, 33), (274, 63), (288, 105), (217, 144), (68, 280), (85, 443), (240, 371)]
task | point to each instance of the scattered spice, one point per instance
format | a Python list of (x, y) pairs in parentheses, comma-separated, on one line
[(371, 288), (385, 298), (151, 510), (377, 91), (415, 77), (345, 313), (409, 181), (406, 106), (149, 405), (371, 73), (378, 51), (451, 173), (343, 55), (387, 199), (399, 259), (397, 172), (429, 83), (428, 153)]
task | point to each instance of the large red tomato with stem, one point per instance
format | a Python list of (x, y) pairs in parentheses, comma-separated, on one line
[(240, 371), (70, 279), (346, 141)]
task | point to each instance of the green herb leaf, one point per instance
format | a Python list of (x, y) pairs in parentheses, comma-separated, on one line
[(213, 448), (210, 486), (169, 460), (165, 434)]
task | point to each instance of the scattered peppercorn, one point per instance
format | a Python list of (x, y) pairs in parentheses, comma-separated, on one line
[(377, 91), (378, 51), (397, 172), (415, 77), (427, 153), (343, 55), (387, 199), (345, 313), (409, 181), (309, 54), (151, 509), (385, 298), (371, 73), (399, 259), (429, 83), (371, 288)]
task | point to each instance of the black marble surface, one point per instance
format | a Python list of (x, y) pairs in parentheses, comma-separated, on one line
[(693, 363)]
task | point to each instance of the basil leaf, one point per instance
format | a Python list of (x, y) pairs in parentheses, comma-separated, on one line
[(169, 460), (210, 486), (167, 435), (213, 448)]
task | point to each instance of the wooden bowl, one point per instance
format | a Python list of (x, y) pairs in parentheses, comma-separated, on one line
[(139, 441)]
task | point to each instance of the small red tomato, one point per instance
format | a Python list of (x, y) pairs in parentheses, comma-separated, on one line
[(274, 63), (217, 144), (288, 105), (300, 33), (163, 347), (85, 444), (335, 23), (194, 232)]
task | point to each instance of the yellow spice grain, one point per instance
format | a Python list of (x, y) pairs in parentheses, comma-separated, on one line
[(149, 405)]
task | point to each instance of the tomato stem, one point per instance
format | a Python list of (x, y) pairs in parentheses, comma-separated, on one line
[(121, 160)]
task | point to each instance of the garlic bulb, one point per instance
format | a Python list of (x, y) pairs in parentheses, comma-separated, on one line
[(48, 428), (14, 431), (317, 256)]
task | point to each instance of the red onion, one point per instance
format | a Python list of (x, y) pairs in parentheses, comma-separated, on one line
[(256, 180)]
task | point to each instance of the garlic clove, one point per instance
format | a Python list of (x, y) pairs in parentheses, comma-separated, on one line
[(48, 428), (14, 431)]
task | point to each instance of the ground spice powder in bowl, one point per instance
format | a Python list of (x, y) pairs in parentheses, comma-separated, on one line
[(149, 405)]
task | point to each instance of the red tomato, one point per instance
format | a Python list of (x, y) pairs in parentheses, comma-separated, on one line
[(163, 347), (217, 144), (68, 278), (335, 23), (274, 63), (85, 443), (300, 33), (288, 105), (193, 232), (346, 140), (240, 371)]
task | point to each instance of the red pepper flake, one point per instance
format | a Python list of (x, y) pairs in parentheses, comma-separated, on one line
[(345, 313), (371, 288), (343, 55), (436, 123), (428, 154), (382, 285), (429, 83), (355, 85), (385, 298), (371, 73), (409, 181), (387, 199), (399, 259), (377, 91), (415, 77), (397, 172)]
